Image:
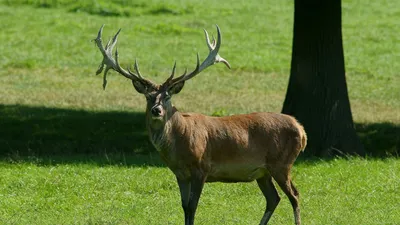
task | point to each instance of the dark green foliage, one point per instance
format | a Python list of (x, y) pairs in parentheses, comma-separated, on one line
[(117, 8)]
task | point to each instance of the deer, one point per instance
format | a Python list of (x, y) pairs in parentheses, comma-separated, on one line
[(198, 148)]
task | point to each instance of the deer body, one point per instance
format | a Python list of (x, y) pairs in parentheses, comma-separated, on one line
[(227, 149), (200, 149)]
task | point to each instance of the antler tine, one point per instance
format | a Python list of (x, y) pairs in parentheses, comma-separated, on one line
[(185, 76), (119, 68), (212, 58), (172, 74), (137, 74), (173, 70), (113, 42), (216, 49), (109, 62), (99, 44), (209, 45), (137, 69), (98, 40), (184, 73)]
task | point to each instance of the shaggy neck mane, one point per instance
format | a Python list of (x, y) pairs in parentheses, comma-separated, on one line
[(160, 130)]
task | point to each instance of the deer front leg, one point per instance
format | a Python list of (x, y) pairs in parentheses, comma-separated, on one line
[(190, 190), (197, 183), (184, 188)]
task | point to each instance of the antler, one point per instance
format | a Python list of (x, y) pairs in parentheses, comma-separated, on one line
[(212, 58), (110, 63)]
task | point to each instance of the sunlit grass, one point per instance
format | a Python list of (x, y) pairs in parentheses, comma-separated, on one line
[(69, 149), (354, 191), (50, 60)]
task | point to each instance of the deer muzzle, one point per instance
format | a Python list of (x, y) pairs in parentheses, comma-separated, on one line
[(157, 111)]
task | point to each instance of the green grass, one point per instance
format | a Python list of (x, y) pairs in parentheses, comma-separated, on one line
[(49, 59), (71, 153), (355, 191)]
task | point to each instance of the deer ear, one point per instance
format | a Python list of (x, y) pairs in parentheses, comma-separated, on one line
[(140, 87), (176, 88)]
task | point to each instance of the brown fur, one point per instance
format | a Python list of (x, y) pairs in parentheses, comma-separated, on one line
[(238, 148), (233, 148)]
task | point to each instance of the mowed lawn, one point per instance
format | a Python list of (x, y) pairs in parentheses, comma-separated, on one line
[(354, 191), (71, 153)]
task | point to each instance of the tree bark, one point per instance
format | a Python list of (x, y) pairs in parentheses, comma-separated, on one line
[(317, 91)]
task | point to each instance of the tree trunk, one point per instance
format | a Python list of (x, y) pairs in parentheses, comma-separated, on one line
[(317, 91)]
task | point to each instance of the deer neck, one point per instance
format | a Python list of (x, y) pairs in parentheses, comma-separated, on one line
[(160, 130)]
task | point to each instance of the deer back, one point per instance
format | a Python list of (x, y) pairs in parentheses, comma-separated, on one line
[(256, 138)]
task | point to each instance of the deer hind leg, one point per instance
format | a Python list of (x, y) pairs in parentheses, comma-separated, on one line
[(270, 194), (287, 186), (295, 191)]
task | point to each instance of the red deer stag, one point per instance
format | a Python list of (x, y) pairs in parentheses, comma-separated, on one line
[(199, 148)]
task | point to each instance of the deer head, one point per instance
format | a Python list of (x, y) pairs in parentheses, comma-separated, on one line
[(158, 97)]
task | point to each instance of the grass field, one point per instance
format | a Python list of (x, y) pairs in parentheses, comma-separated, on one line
[(71, 153), (354, 191)]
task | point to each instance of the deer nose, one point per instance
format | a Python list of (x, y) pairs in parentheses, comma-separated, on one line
[(156, 110)]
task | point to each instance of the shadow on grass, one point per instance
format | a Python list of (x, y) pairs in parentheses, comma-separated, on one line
[(380, 139), (50, 136)]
